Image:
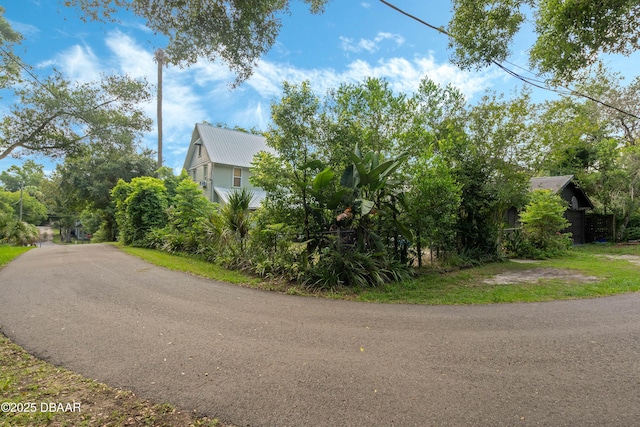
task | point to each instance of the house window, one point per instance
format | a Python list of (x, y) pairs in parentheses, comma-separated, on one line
[(237, 177), (199, 150), (205, 171)]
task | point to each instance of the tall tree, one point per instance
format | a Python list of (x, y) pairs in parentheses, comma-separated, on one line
[(237, 31), (55, 117), (141, 206), (372, 115), (433, 205), (488, 153), (30, 174), (599, 146), (26, 207), (294, 135)]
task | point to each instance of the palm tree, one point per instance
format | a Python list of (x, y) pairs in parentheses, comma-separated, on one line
[(236, 214)]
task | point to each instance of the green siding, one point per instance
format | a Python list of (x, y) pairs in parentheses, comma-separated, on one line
[(223, 176)]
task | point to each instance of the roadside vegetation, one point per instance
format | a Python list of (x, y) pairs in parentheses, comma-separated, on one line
[(362, 182), (588, 271), (355, 202)]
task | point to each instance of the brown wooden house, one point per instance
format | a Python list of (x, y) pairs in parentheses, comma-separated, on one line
[(578, 200)]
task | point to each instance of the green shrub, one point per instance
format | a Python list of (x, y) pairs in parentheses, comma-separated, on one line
[(101, 235), (335, 269), (542, 222), (17, 233), (632, 233), (140, 207)]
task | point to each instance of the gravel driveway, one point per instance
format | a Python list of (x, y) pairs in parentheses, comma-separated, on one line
[(255, 358)]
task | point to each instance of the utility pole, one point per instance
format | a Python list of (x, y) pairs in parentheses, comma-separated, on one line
[(160, 59), (21, 187)]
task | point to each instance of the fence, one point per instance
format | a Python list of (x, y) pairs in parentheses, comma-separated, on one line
[(598, 228)]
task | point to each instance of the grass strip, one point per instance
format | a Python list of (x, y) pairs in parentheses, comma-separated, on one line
[(614, 274), (7, 253), (190, 264)]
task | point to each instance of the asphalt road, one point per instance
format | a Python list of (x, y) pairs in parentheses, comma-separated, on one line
[(256, 358)]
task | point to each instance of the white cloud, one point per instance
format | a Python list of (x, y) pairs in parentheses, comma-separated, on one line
[(403, 75), (369, 45), (129, 57), (252, 115), (79, 63), (397, 38)]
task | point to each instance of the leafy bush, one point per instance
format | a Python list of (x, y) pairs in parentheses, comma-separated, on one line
[(17, 233), (632, 233), (353, 269), (140, 207), (542, 222), (101, 235), (469, 257), (517, 244), (288, 260)]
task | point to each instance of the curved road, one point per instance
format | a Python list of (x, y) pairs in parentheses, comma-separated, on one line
[(256, 358)]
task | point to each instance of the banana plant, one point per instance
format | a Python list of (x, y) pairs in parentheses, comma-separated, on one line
[(369, 178)]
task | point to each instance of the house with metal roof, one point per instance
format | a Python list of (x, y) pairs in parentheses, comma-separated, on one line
[(220, 159)]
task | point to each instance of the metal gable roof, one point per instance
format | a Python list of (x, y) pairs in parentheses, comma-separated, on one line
[(230, 147), (258, 196), (553, 183), (565, 187)]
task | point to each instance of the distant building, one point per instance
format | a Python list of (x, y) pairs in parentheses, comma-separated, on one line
[(219, 160), (577, 203)]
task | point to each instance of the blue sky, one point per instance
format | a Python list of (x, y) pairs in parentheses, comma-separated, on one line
[(353, 39)]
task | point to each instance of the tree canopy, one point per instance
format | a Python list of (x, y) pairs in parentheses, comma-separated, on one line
[(237, 31), (570, 34), (56, 117), (8, 38)]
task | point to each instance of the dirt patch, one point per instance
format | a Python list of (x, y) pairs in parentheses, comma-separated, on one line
[(633, 259), (537, 274)]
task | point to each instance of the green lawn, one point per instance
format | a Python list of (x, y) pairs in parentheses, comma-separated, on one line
[(191, 265), (613, 276), (7, 253)]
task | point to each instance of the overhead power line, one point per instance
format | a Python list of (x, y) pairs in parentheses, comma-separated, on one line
[(533, 82)]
